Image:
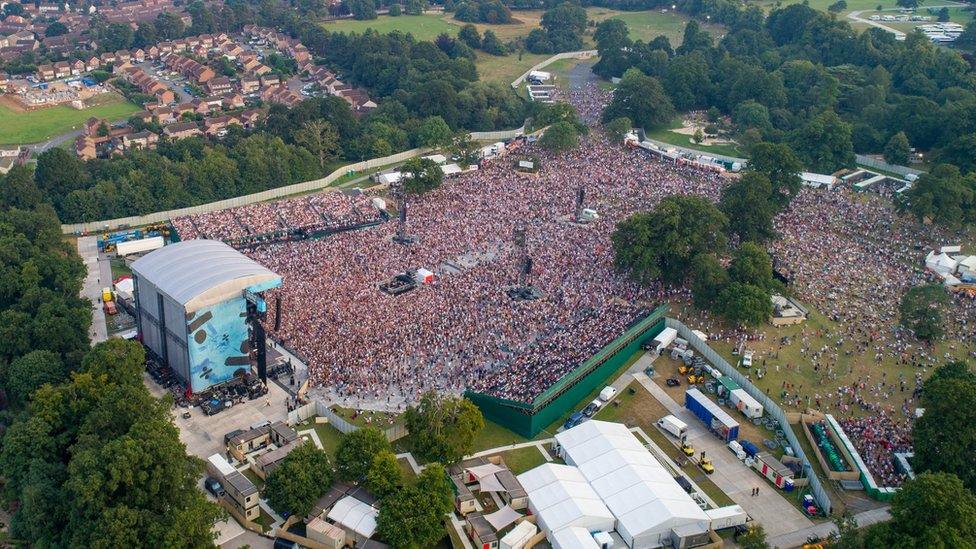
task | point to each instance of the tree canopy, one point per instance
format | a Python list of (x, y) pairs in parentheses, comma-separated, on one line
[(642, 99), (303, 477), (920, 310), (356, 451), (943, 440), (421, 175), (442, 428)]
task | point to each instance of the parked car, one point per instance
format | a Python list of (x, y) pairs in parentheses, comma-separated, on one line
[(591, 408), (673, 382), (214, 487), (574, 420)]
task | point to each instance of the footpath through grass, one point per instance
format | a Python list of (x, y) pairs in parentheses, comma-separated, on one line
[(20, 128)]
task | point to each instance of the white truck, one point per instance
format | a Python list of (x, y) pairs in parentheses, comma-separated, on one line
[(138, 246), (607, 393), (727, 517), (673, 425)]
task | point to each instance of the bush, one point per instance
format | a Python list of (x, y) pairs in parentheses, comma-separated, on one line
[(395, 10)]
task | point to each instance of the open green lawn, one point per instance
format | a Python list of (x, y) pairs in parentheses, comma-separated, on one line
[(682, 140), (18, 128), (647, 25), (523, 459), (422, 27), (505, 69), (328, 435)]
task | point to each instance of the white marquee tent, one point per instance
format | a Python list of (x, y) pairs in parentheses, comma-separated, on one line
[(573, 538), (354, 515), (560, 497), (649, 505)]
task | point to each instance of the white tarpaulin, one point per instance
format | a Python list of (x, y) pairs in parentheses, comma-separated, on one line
[(503, 517), (490, 484), (481, 471)]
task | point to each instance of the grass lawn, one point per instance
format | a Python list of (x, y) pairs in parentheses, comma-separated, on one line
[(368, 418), (494, 436), (523, 459), (682, 140), (647, 25), (406, 471), (119, 268), (422, 27), (328, 435), (265, 520), (43, 124), (504, 69), (253, 477)]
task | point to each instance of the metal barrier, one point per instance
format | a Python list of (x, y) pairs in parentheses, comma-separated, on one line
[(584, 54), (882, 165), (318, 408), (769, 406)]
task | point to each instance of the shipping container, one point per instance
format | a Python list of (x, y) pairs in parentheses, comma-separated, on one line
[(727, 517), (717, 420), (749, 448), (771, 468)]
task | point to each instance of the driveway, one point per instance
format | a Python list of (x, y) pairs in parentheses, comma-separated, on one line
[(777, 515), (95, 280)]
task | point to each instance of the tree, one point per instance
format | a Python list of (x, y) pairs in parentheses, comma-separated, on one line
[(944, 196), (491, 44), (695, 38), (470, 36), (708, 279), (18, 190), (837, 7), (746, 304), (944, 15), (897, 150), (362, 9), (169, 25), (748, 204), (442, 428), (751, 265), (56, 28), (921, 311), (320, 139), (563, 27), (642, 99), (612, 42), (910, 4), (662, 243), (941, 444), (408, 520), (698, 136), (383, 477), (933, 510), (58, 172), (560, 137), (421, 175), (414, 7), (961, 152), (356, 451), (26, 374), (824, 143), (434, 132), (435, 484), (617, 128), (395, 10), (303, 476), (755, 538), (781, 166)]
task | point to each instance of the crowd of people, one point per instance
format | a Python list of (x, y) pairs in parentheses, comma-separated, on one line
[(463, 330), (329, 211), (877, 438)]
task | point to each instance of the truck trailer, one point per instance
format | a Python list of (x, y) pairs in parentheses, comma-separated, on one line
[(138, 246), (743, 402), (717, 420)]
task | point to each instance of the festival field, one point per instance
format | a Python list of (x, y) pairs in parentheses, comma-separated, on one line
[(22, 127)]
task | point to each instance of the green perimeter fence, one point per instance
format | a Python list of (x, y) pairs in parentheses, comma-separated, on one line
[(528, 419)]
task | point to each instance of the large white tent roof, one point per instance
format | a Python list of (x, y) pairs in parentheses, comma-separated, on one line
[(637, 489), (355, 515), (573, 538), (560, 497)]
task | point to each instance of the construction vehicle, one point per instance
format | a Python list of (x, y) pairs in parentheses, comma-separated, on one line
[(706, 465), (683, 369), (107, 294), (693, 380), (687, 449)]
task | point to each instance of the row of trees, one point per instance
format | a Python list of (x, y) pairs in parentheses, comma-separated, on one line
[(684, 239), (803, 78)]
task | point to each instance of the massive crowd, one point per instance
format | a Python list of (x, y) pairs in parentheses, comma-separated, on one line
[(318, 212), (877, 439), (463, 330)]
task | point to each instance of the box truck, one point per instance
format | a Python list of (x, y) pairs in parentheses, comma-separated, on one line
[(727, 517), (673, 425), (138, 246)]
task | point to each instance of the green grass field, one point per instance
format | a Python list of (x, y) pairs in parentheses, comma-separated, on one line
[(646, 25), (682, 140), (422, 27), (20, 128), (503, 70)]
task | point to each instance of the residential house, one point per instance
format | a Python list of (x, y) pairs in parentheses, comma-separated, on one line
[(250, 84), (218, 124), (165, 116), (219, 85), (93, 63), (107, 58), (261, 70), (138, 55), (152, 52), (46, 72), (78, 67), (62, 69), (122, 56), (140, 140), (181, 130), (85, 148), (270, 80), (145, 116), (10, 156), (250, 118)]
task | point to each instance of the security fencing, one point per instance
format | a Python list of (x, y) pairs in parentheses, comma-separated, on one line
[(769, 406), (882, 165), (320, 409)]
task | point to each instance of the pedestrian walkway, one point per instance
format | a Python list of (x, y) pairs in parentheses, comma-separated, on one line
[(777, 515), (92, 286), (798, 538)]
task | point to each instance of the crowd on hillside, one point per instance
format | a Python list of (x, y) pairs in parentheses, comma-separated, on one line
[(463, 330), (318, 212), (589, 101)]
